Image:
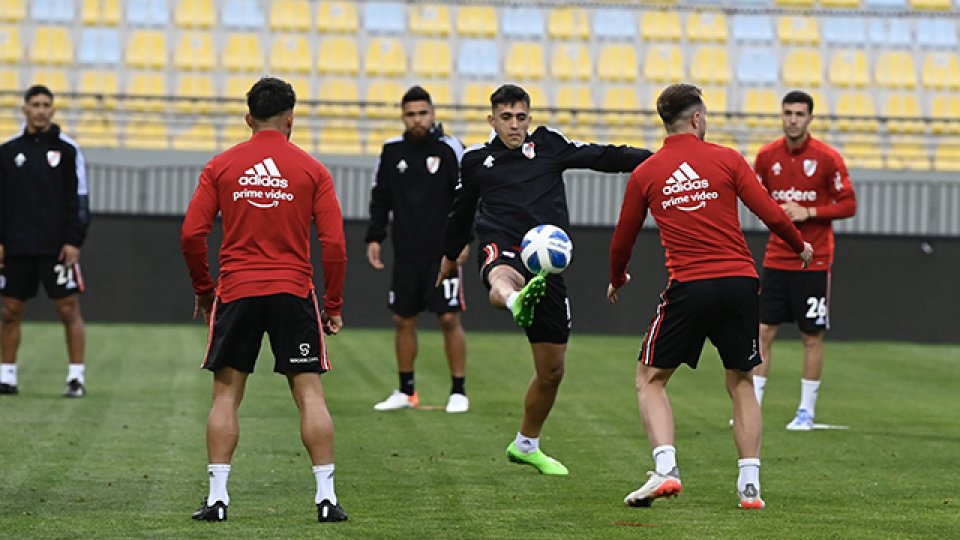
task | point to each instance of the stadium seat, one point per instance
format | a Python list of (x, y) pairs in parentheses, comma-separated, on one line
[(660, 26), (383, 99), (803, 68), (906, 109), (52, 11), (663, 64), (236, 132), (895, 69), (198, 137), (890, 32), (941, 71), (290, 53), (848, 67), (290, 15), (850, 31), (478, 21), (195, 14), (885, 4), (479, 58), (56, 80), (339, 140), (571, 61), (477, 134), (622, 105), (568, 23), (13, 11), (796, 29), (11, 48), (476, 100), (376, 137), (572, 100), (525, 60), (863, 152), (795, 3), (51, 45), (100, 12), (303, 87), (11, 92), (821, 105), (519, 21), (96, 131), (146, 92), (146, 134), (234, 96), (242, 14), (762, 107), (336, 17), (100, 89), (757, 66), (147, 49), (752, 28), (937, 33), (908, 156), (945, 112), (617, 63), (630, 136), (613, 24), (387, 57), (858, 104), (707, 26), (541, 102), (243, 52), (390, 17), (431, 58), (947, 157), (936, 5), (442, 96), (99, 46), (9, 127), (147, 13), (715, 98), (840, 4), (338, 56), (195, 52), (430, 20), (195, 95), (710, 65)]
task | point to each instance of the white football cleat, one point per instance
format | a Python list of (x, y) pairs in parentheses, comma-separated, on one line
[(398, 400), (658, 485), (803, 421), (458, 403), (750, 498)]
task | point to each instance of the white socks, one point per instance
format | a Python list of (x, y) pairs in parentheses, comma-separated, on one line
[(759, 383), (218, 473), (75, 371), (808, 395), (324, 474), (665, 457), (749, 473), (526, 444), (8, 374), (512, 299)]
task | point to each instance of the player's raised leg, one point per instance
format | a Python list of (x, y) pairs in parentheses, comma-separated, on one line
[(548, 360), (509, 290), (657, 416)]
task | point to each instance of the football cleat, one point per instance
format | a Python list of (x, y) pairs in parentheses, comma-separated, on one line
[(75, 389), (750, 498), (803, 421), (538, 460), (216, 512), (8, 388), (398, 400), (327, 512), (528, 298), (458, 403), (658, 485)]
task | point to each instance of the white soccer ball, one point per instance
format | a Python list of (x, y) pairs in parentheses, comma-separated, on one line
[(546, 248)]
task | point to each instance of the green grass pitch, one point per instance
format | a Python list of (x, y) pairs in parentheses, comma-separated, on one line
[(129, 459)]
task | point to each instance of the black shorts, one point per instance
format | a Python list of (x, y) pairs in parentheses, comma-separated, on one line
[(414, 289), (551, 317), (293, 324), (722, 309), (788, 296), (22, 276)]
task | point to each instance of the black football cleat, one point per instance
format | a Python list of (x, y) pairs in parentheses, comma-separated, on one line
[(8, 388), (327, 512), (75, 389), (217, 512)]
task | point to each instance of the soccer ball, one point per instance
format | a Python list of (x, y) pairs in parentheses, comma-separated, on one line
[(546, 248)]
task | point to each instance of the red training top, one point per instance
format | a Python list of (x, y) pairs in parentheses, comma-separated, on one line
[(691, 188), (267, 189), (815, 176)]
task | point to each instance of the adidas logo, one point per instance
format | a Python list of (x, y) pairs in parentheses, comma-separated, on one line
[(265, 174), (684, 179)]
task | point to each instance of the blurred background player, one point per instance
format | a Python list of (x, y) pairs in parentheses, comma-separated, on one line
[(267, 191), (415, 182), (510, 184), (809, 180), (691, 188), (43, 186)]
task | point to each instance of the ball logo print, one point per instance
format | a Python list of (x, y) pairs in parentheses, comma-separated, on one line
[(546, 248)]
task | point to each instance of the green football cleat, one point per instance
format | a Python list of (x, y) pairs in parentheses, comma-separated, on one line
[(538, 460), (529, 297)]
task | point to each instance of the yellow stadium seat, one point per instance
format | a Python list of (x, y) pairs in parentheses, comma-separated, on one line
[(146, 92), (96, 131), (290, 15), (235, 133), (373, 145), (906, 108), (821, 105), (707, 26), (189, 89), (540, 102), (303, 87), (11, 93), (947, 157), (10, 126), (343, 140), (568, 23), (235, 95), (840, 3), (290, 53), (630, 136), (856, 104), (710, 65), (338, 56), (762, 105), (195, 14), (795, 29), (11, 48), (476, 99), (571, 61), (724, 138), (476, 21), (100, 12), (477, 134), (195, 52), (617, 62), (442, 96), (344, 97), (803, 68), (910, 156), (383, 99), (147, 49), (945, 111), (623, 106), (573, 101), (939, 5), (56, 81), (848, 67), (663, 64), (895, 69), (337, 17), (431, 58), (243, 52), (146, 134), (101, 87), (941, 71), (198, 137), (715, 98), (51, 45), (863, 152), (525, 60), (794, 3), (13, 10), (660, 26), (387, 57), (430, 19)]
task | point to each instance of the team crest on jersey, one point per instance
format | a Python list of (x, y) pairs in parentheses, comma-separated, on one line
[(20, 159), (776, 168), (809, 167), (402, 166), (53, 157), (528, 150), (488, 163), (433, 164)]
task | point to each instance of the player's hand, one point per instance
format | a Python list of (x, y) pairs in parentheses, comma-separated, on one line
[(806, 255), (331, 324), (462, 258), (203, 306), (796, 212), (373, 255), (447, 267), (69, 255), (612, 296)]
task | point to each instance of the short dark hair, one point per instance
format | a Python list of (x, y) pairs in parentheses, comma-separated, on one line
[(677, 99), (509, 94), (37, 90), (269, 97), (415, 93), (798, 96)]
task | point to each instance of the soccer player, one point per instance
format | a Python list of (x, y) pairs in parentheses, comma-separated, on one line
[(809, 180), (416, 179), (691, 188), (43, 221), (267, 190), (512, 183)]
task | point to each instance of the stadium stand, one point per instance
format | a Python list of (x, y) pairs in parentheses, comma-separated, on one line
[(243, 52), (242, 14), (660, 26), (518, 21), (895, 69), (147, 135), (291, 15), (761, 106), (290, 53), (617, 62), (344, 96), (621, 100), (903, 111), (96, 131), (430, 20), (147, 13), (202, 137), (707, 26), (947, 157), (524, 60), (937, 33), (478, 21), (10, 89), (195, 52), (99, 46), (848, 68), (147, 49), (571, 61), (100, 12), (51, 45), (476, 99), (383, 98), (52, 11), (570, 100), (860, 105), (384, 17), (100, 87), (338, 55), (385, 57), (195, 14), (710, 65), (798, 30), (195, 94), (337, 17), (753, 28), (890, 32), (11, 46), (663, 64), (612, 24), (568, 23), (147, 92), (945, 110), (478, 58), (13, 10), (850, 31), (339, 139), (802, 68), (757, 66), (431, 58)]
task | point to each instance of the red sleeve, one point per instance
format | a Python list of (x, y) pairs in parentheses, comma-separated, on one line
[(196, 226), (841, 190), (758, 200), (758, 168), (329, 221), (632, 214)]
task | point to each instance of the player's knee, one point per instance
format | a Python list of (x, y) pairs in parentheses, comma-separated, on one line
[(68, 311), (551, 375), (404, 324), (11, 315), (449, 322)]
